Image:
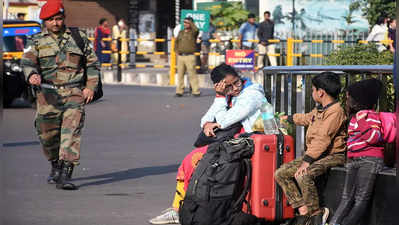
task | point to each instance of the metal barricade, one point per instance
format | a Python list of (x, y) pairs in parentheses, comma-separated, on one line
[(289, 88), (288, 52)]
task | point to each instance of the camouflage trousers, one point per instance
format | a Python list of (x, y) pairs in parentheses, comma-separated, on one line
[(307, 193), (59, 122)]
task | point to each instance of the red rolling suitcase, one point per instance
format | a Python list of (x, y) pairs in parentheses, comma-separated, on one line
[(266, 198)]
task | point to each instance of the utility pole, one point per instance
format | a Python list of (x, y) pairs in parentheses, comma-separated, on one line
[(177, 12), (6, 9), (293, 17), (133, 22)]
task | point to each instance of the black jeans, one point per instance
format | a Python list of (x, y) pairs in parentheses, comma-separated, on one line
[(358, 190)]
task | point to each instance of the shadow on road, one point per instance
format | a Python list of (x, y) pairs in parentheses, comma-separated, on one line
[(127, 175)]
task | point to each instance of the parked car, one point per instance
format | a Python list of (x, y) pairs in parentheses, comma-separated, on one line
[(14, 40)]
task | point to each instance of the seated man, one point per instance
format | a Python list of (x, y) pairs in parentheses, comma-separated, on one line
[(325, 144), (237, 100)]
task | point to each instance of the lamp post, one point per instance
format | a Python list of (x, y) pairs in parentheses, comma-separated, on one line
[(133, 21), (293, 17), (6, 9)]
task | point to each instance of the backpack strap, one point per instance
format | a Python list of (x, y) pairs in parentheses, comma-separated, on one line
[(241, 199), (78, 39), (81, 44)]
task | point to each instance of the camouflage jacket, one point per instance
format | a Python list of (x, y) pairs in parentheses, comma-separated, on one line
[(58, 61)]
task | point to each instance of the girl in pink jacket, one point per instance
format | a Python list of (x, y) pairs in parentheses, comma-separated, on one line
[(365, 151)]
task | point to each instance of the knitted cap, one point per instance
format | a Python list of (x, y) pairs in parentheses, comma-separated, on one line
[(366, 92), (51, 8)]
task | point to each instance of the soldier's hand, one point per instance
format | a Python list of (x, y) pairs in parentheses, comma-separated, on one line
[(35, 79), (88, 95)]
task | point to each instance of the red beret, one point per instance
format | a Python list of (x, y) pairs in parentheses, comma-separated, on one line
[(51, 8)]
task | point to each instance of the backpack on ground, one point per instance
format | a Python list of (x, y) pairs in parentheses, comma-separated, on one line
[(98, 93), (219, 185)]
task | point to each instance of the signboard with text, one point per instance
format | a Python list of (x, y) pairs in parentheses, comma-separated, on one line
[(200, 17), (241, 59), (209, 5)]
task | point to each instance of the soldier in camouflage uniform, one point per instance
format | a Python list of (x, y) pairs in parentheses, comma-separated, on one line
[(52, 63)]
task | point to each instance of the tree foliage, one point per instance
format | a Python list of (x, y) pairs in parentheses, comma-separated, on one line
[(372, 9), (362, 54), (230, 16)]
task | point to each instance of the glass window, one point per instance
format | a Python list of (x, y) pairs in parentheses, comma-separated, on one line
[(14, 43)]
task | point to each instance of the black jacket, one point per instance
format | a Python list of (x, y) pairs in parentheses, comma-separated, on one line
[(266, 31)]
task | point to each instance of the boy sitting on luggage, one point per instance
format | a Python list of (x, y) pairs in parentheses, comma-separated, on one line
[(325, 148)]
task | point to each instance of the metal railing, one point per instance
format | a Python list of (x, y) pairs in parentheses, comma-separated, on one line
[(289, 88)]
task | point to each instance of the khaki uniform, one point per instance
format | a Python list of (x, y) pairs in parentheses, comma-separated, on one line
[(185, 48), (118, 33), (325, 142), (60, 112)]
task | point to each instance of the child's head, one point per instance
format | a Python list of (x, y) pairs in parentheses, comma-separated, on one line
[(325, 85), (363, 95)]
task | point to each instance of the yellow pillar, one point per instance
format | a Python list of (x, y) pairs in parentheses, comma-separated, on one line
[(290, 52), (172, 70)]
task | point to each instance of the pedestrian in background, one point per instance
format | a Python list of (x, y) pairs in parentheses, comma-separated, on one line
[(392, 35), (119, 31), (52, 62), (206, 44), (266, 33), (379, 32), (185, 48), (21, 16), (102, 31), (248, 32)]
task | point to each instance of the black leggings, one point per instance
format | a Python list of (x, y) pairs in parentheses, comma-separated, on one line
[(359, 184)]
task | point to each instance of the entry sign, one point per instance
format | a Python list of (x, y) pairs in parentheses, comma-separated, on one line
[(201, 18), (241, 59)]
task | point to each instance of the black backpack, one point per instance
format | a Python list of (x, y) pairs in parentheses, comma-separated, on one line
[(219, 184), (98, 93)]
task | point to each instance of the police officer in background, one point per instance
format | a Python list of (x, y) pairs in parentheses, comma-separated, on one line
[(52, 63), (185, 48)]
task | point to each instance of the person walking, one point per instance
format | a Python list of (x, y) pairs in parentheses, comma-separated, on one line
[(119, 31), (185, 48), (379, 32), (247, 32), (102, 31), (265, 33), (52, 62)]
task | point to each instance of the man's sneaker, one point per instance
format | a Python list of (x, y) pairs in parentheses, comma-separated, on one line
[(321, 218), (168, 216), (326, 213)]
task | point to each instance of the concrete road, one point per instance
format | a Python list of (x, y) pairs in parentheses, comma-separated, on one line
[(133, 142)]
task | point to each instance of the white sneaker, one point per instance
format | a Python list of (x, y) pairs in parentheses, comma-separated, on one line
[(326, 213), (168, 216)]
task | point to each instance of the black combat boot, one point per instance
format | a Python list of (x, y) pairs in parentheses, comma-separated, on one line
[(64, 178), (54, 172)]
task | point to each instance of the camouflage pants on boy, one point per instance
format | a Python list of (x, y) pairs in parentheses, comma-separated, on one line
[(59, 122), (307, 195)]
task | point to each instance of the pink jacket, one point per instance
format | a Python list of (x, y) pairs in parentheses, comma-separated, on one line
[(365, 138)]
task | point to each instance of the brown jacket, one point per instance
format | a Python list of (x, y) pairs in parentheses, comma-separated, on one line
[(326, 131)]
